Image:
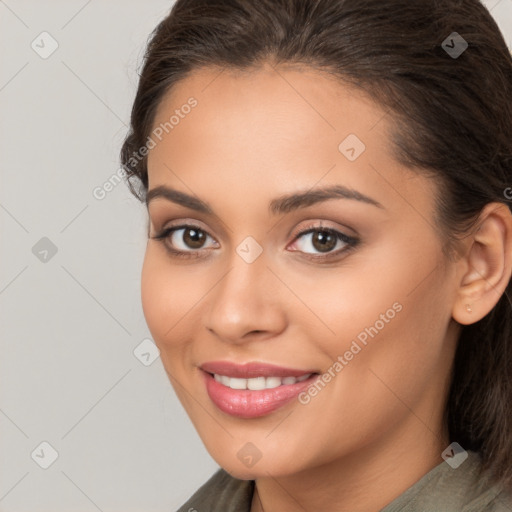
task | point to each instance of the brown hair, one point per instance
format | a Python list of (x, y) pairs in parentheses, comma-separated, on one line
[(452, 120)]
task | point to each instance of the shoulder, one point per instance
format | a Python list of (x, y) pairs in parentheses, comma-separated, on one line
[(482, 494), (461, 488), (221, 493), (501, 502)]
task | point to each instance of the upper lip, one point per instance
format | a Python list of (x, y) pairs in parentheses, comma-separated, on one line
[(251, 370)]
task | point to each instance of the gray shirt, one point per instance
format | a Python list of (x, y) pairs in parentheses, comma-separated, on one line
[(442, 489)]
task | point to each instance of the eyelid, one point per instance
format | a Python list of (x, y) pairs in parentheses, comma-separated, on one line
[(318, 225), (182, 221)]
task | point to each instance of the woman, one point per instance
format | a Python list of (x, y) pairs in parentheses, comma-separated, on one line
[(329, 256)]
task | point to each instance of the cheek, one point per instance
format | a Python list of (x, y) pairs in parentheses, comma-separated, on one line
[(402, 323), (152, 291), (394, 312), (166, 298)]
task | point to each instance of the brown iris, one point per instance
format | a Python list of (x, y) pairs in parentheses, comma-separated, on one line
[(194, 238), (324, 241)]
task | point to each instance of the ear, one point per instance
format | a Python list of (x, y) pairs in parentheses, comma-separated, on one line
[(486, 267)]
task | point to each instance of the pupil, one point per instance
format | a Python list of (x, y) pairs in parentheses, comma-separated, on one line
[(325, 239)]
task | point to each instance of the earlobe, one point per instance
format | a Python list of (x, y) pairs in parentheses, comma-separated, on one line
[(488, 265)]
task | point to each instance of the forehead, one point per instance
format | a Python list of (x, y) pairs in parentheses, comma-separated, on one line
[(291, 88), (268, 130), (265, 112)]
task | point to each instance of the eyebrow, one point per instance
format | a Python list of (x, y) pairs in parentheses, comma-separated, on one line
[(280, 205)]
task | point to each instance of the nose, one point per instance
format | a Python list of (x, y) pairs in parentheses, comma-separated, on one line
[(245, 304)]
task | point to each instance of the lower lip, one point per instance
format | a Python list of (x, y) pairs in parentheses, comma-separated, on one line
[(244, 403)]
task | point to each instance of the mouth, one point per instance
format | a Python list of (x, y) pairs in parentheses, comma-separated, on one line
[(254, 389)]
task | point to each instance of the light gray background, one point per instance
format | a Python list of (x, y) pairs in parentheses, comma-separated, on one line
[(70, 323)]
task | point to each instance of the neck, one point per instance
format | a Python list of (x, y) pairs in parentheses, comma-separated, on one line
[(368, 479)]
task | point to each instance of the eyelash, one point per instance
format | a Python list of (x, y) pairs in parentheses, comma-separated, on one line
[(351, 242)]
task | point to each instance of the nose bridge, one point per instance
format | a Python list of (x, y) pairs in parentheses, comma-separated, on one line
[(244, 300), (245, 281)]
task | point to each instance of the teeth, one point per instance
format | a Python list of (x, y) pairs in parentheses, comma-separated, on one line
[(272, 382), (237, 383), (258, 383)]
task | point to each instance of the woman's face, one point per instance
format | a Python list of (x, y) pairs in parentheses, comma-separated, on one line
[(349, 285)]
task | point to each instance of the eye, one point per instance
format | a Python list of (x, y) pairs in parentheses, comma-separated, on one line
[(325, 240), (184, 241)]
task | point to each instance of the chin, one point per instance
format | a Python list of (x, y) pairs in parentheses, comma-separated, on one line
[(261, 469), (239, 473)]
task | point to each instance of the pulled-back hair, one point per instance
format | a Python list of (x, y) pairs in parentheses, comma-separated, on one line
[(452, 120)]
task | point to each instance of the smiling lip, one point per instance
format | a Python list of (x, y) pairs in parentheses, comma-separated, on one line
[(246, 403)]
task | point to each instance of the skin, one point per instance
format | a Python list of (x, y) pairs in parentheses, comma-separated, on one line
[(377, 427)]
